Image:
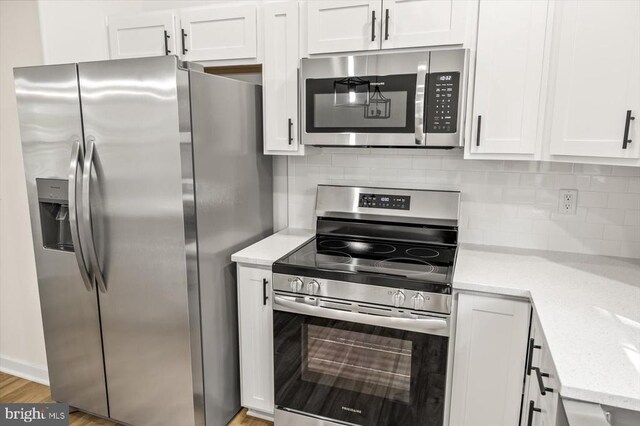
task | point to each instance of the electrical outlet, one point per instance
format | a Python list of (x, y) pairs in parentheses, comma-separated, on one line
[(568, 201)]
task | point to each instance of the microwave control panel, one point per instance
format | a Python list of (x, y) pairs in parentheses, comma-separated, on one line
[(442, 102), (383, 201)]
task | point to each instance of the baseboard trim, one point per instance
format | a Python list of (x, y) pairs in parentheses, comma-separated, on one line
[(34, 373), (259, 414)]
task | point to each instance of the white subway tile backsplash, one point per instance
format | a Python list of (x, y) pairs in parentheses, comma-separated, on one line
[(512, 203), (609, 184), (606, 216), (592, 199), (624, 201), (592, 169), (538, 180), (632, 218), (622, 233), (519, 195), (634, 185)]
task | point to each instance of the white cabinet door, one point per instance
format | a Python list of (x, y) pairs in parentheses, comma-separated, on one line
[(489, 361), (343, 25), (280, 77), (509, 68), (219, 32), (597, 63), (147, 34), (416, 23), (256, 338)]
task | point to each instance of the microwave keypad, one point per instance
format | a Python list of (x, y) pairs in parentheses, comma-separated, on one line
[(383, 201), (442, 102)]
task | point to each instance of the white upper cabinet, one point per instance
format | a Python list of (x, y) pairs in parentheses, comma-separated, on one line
[(280, 77), (489, 367), (357, 25), (219, 32), (343, 25), (147, 34), (596, 58), (415, 23), (508, 77)]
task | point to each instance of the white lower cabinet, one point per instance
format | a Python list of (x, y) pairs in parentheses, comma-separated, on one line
[(489, 360), (540, 403), (255, 320)]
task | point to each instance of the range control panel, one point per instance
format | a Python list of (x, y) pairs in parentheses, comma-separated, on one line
[(382, 201), (442, 102)]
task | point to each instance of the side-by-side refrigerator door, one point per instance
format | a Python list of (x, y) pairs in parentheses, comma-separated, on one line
[(52, 147), (133, 177)]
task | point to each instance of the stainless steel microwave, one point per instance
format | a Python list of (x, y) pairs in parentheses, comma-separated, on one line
[(409, 99)]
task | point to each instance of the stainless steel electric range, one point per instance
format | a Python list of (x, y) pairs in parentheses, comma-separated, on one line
[(362, 311)]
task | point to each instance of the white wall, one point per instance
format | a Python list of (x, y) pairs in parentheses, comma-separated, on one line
[(506, 203), (21, 338)]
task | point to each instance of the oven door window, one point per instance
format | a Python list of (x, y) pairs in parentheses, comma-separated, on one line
[(367, 104), (359, 373)]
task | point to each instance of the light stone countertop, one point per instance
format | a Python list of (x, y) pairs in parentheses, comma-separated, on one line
[(272, 248), (589, 309)]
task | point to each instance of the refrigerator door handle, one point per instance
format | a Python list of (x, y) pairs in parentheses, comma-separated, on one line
[(76, 158), (96, 273)]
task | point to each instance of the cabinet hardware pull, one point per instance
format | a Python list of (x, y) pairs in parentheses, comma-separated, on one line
[(479, 127), (373, 25), (532, 409), (532, 346), (627, 125), (540, 375), (166, 43), (264, 291), (386, 24), (184, 48), (290, 131)]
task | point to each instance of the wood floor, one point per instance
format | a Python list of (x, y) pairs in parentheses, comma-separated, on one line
[(15, 389)]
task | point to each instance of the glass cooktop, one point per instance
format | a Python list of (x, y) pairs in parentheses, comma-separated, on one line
[(371, 262)]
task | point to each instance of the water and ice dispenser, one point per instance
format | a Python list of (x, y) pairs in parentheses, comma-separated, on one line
[(53, 198)]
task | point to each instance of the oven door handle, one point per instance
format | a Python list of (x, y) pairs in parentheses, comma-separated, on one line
[(439, 326)]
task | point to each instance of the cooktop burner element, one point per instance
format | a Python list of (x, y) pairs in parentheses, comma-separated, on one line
[(424, 253), (334, 244), (330, 257), (407, 266)]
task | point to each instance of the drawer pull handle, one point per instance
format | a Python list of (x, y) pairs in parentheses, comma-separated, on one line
[(532, 346), (532, 409), (264, 292), (540, 375)]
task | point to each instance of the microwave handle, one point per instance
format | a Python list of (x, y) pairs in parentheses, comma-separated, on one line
[(421, 102), (428, 325)]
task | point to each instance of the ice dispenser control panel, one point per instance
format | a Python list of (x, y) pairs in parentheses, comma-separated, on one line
[(442, 102), (383, 201)]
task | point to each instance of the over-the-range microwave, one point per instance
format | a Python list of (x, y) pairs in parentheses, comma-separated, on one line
[(409, 99)]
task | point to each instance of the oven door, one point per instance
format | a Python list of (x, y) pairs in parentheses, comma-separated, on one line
[(359, 368)]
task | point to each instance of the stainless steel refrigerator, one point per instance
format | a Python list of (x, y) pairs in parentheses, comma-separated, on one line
[(143, 176)]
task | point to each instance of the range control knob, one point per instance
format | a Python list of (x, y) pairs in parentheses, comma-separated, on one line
[(417, 301), (398, 298), (296, 284), (313, 287)]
